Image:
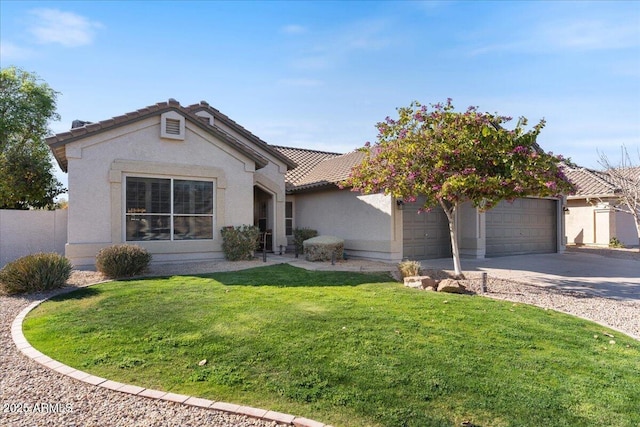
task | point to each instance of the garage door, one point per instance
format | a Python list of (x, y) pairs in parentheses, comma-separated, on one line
[(426, 234), (525, 226)]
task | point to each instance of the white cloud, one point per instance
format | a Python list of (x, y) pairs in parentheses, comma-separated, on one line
[(568, 35), (338, 45), (591, 35), (293, 29), (12, 52), (66, 28)]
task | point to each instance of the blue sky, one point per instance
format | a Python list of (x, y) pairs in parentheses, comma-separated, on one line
[(319, 75)]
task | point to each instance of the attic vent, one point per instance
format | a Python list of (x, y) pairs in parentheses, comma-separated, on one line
[(172, 127)]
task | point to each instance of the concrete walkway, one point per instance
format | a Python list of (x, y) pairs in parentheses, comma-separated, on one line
[(595, 274)]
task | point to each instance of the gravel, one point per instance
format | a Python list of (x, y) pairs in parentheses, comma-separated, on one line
[(26, 385)]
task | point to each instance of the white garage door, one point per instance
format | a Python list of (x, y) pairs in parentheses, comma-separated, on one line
[(426, 234), (525, 226)]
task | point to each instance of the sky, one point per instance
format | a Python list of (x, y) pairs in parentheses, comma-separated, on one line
[(321, 74)]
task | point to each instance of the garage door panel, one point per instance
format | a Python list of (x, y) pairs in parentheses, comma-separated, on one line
[(426, 234), (523, 226)]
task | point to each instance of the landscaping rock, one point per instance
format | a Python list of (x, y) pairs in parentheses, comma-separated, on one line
[(420, 282), (322, 248), (451, 286)]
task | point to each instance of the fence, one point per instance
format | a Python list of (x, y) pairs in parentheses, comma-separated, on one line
[(27, 232)]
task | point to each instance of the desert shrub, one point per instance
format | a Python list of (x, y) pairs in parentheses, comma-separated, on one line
[(323, 248), (615, 243), (302, 234), (122, 260), (239, 243), (409, 268), (34, 273)]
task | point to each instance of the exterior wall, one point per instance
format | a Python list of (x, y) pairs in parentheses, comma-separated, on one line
[(625, 229), (579, 223), (27, 232), (472, 238), (597, 223), (99, 164), (370, 225)]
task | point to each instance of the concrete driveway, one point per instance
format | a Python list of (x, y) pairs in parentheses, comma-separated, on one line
[(595, 274)]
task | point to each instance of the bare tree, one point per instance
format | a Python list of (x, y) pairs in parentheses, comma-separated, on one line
[(626, 179)]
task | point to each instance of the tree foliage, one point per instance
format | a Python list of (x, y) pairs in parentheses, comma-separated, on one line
[(451, 157), (26, 106)]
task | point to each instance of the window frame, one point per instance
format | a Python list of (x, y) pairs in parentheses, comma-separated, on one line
[(171, 215), (289, 218)]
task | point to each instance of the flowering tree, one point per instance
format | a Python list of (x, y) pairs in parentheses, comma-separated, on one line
[(451, 157)]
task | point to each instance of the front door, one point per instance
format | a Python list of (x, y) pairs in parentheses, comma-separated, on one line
[(263, 217)]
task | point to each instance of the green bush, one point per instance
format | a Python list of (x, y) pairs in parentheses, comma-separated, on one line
[(302, 234), (35, 273), (239, 243), (615, 243), (122, 260)]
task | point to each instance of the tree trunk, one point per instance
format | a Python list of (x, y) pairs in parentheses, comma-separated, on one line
[(450, 211)]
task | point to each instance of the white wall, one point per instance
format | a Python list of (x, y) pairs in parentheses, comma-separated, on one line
[(596, 224), (27, 232), (370, 225), (98, 165), (625, 229)]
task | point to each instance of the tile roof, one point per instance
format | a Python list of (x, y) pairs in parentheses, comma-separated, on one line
[(592, 183), (57, 142), (589, 182), (204, 106), (329, 172), (306, 161)]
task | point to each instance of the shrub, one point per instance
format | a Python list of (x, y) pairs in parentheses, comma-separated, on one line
[(34, 273), (409, 268), (615, 243), (300, 235), (239, 243), (323, 248), (122, 260)]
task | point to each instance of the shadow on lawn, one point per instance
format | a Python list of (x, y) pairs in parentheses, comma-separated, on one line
[(77, 294), (285, 275)]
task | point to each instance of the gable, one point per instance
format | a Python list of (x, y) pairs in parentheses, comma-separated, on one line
[(173, 119)]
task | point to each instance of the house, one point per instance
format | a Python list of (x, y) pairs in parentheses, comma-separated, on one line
[(591, 217), (168, 177)]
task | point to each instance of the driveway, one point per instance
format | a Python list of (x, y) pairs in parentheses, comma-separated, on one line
[(573, 270)]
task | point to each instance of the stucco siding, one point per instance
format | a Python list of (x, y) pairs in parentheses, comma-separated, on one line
[(369, 224), (27, 232), (597, 223), (579, 223), (99, 165), (625, 229)]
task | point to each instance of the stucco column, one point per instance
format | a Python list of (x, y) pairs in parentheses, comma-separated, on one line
[(471, 231)]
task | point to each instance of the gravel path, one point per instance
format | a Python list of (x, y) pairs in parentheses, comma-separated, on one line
[(25, 382)]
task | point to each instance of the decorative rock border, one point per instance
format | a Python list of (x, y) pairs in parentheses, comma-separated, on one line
[(25, 348)]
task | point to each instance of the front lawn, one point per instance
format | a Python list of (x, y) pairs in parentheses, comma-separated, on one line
[(347, 349)]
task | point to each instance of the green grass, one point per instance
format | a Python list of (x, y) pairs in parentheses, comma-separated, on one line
[(347, 349)]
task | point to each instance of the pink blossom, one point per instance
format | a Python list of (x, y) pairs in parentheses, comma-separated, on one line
[(520, 149)]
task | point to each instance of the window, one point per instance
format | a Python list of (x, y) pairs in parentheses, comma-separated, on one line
[(288, 218), (168, 209)]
